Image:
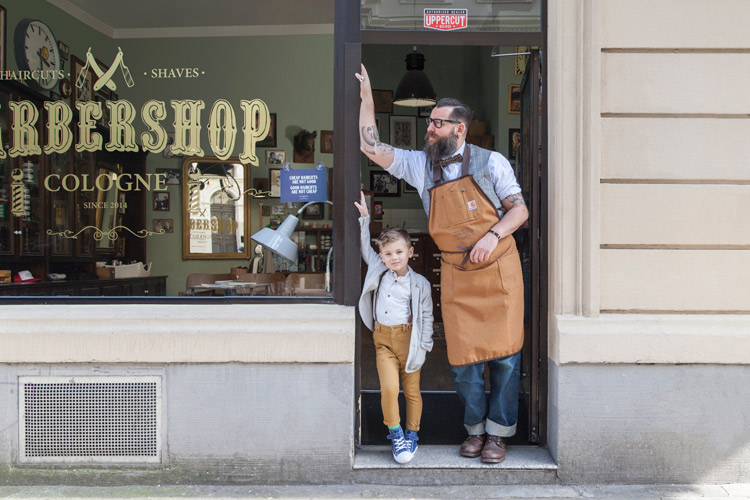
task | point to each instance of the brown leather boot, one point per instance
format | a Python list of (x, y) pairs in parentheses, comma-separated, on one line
[(494, 450), (472, 446)]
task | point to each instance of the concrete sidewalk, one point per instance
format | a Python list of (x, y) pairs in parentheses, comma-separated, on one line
[(610, 492)]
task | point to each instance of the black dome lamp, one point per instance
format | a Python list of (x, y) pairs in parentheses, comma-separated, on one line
[(415, 89)]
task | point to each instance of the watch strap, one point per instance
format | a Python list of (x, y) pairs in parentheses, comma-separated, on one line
[(495, 233)]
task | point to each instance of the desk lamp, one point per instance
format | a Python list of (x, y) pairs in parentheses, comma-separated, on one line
[(279, 241)]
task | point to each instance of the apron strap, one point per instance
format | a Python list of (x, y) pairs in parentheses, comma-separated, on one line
[(437, 172)]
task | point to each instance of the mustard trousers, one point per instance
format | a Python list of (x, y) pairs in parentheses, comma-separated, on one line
[(391, 351)]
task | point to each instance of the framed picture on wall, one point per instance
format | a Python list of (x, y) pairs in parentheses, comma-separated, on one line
[(171, 175), (83, 83), (161, 201), (514, 143), (514, 98), (408, 188), (384, 184), (326, 141), (314, 211), (270, 140), (275, 157), (274, 175), (403, 131), (383, 100), (166, 224)]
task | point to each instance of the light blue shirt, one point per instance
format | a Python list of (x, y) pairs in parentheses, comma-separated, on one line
[(409, 165), (393, 306)]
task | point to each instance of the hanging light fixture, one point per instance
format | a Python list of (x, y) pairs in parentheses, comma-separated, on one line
[(415, 89)]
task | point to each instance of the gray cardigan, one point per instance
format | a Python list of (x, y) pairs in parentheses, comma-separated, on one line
[(421, 301)]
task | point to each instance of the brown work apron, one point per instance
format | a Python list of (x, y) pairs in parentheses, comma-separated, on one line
[(482, 303)]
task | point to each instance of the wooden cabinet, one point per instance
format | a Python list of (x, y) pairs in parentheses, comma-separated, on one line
[(152, 286), (50, 204)]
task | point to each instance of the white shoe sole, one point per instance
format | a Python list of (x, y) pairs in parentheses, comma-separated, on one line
[(403, 457)]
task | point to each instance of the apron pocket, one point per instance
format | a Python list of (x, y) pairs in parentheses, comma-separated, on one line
[(510, 272), (446, 283), (460, 205)]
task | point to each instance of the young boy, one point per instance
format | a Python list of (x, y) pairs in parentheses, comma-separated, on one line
[(396, 304)]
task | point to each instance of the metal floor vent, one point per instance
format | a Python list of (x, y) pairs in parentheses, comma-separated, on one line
[(90, 419)]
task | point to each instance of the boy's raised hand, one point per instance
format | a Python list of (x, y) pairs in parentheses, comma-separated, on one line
[(362, 205)]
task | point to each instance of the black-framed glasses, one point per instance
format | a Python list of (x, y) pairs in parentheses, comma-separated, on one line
[(438, 122)]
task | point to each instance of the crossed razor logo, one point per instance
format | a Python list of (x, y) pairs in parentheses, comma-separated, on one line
[(104, 78)]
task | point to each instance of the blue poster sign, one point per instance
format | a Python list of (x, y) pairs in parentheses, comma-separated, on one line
[(309, 184)]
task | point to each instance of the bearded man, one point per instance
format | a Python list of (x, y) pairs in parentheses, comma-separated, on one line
[(474, 204)]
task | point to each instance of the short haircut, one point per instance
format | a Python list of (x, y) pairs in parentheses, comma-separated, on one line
[(461, 111), (392, 234)]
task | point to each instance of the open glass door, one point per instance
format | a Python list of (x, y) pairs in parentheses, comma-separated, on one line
[(533, 256)]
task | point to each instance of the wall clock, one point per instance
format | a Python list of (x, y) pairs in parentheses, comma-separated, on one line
[(36, 51), (521, 60)]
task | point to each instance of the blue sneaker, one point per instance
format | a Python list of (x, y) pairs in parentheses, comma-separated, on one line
[(411, 439), (400, 446)]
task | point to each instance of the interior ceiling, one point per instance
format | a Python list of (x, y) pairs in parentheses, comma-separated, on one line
[(154, 14)]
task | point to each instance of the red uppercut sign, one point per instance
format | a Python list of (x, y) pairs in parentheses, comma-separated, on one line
[(446, 19)]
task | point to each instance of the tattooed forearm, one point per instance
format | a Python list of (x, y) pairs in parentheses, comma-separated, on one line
[(370, 142), (369, 139)]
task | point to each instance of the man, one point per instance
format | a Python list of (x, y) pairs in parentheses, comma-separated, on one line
[(474, 205)]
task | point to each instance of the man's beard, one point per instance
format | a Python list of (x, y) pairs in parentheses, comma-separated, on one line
[(441, 147)]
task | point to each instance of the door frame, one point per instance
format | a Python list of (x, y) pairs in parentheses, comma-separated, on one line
[(348, 40)]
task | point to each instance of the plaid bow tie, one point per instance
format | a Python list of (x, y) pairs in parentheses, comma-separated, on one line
[(448, 161)]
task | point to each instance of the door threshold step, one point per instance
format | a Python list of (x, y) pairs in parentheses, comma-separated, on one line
[(447, 457), (442, 464)]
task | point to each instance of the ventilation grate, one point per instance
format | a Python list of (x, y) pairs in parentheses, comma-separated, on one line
[(90, 419)]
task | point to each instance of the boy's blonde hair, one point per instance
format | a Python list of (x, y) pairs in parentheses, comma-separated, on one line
[(392, 234)]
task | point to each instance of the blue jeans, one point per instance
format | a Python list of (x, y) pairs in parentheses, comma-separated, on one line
[(505, 377)]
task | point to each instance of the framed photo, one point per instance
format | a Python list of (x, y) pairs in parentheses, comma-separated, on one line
[(408, 188), (260, 184), (278, 210), (377, 208), (314, 211), (83, 83), (403, 131), (424, 112), (326, 141), (274, 174), (64, 50), (66, 88), (167, 153), (384, 184), (383, 100), (514, 143), (270, 140), (3, 37), (166, 224), (172, 175), (275, 157), (514, 98), (161, 201)]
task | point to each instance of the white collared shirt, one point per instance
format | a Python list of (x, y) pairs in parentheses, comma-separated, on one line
[(393, 304), (409, 165)]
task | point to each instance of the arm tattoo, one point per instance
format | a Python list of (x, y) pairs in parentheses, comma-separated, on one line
[(370, 142), (516, 199)]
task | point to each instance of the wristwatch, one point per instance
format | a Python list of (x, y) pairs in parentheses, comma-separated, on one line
[(496, 234)]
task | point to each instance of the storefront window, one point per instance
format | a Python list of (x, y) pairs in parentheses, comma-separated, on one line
[(448, 15), (147, 165)]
